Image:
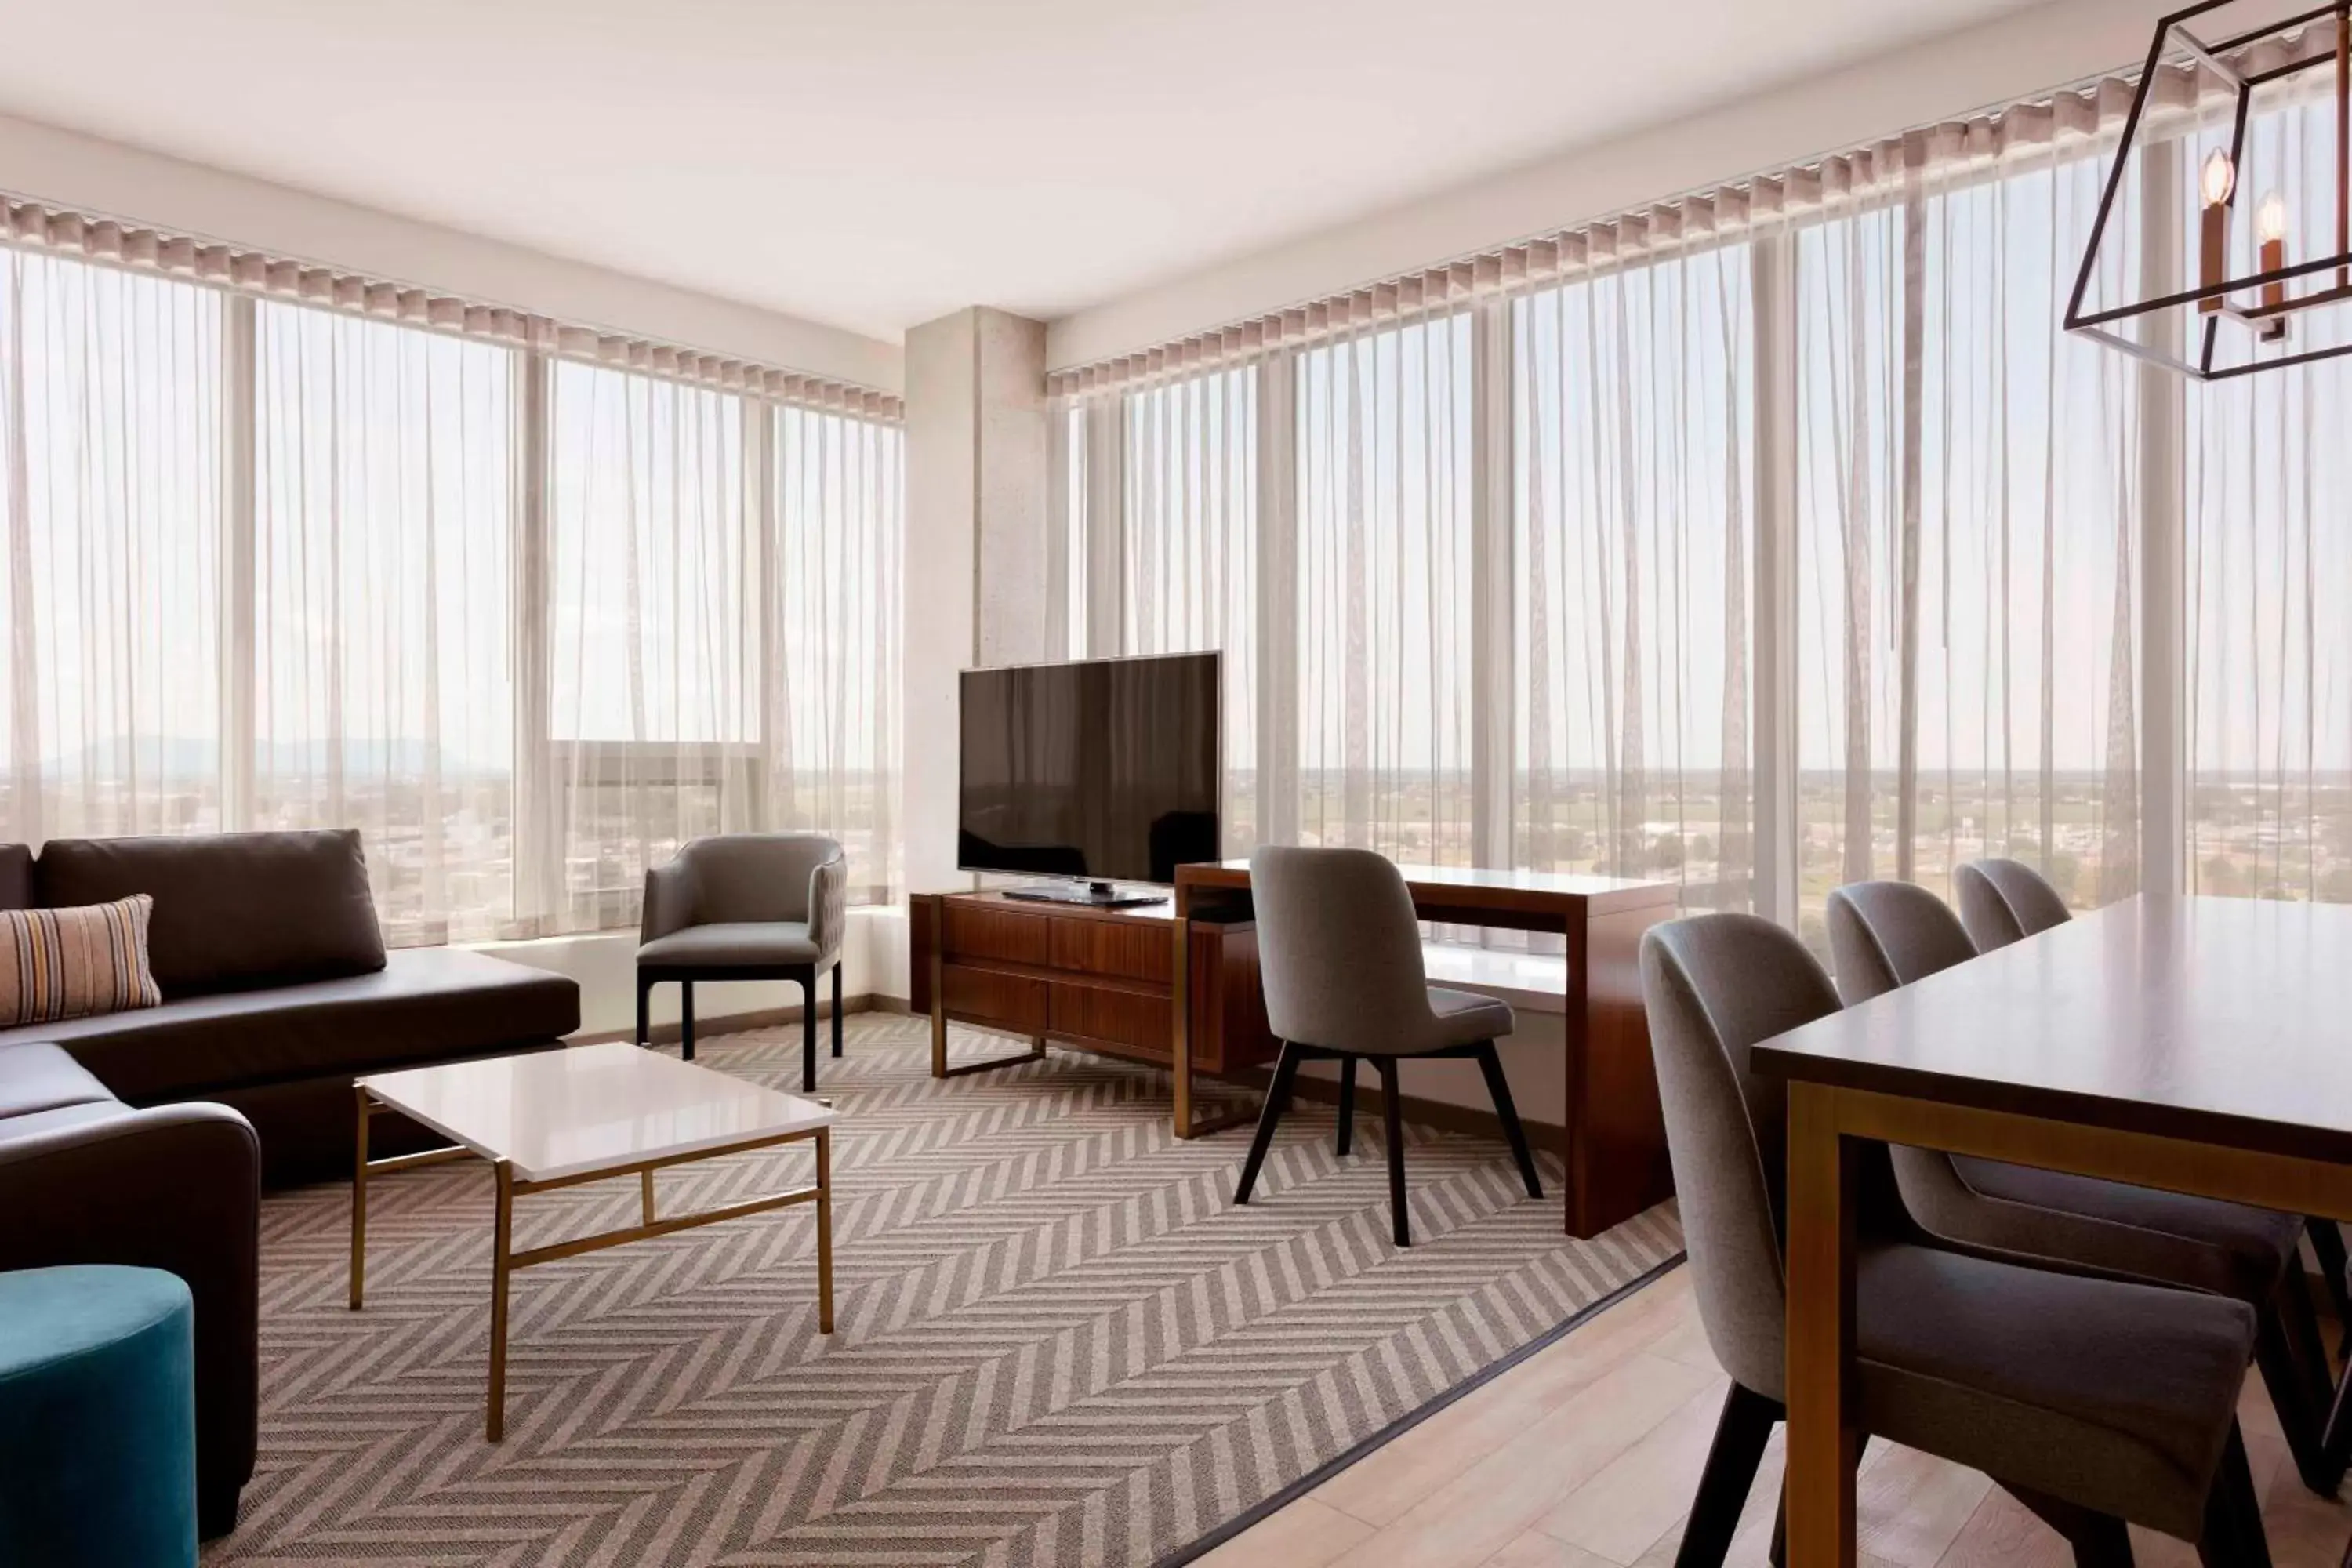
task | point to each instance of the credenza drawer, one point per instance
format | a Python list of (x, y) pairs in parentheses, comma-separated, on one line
[(988, 996), (1128, 950), (988, 933), (1121, 1017)]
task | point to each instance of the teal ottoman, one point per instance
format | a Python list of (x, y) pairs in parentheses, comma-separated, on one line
[(98, 1419)]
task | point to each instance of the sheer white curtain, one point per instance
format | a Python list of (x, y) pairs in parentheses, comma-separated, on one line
[(526, 622), (654, 646), (383, 482), (111, 441), (833, 698), (1634, 436), (1185, 541), (2268, 550), (2266, 553), (1966, 547), (1384, 465)]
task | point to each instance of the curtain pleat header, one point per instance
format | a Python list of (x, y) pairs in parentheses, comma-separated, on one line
[(1723, 214), (32, 226)]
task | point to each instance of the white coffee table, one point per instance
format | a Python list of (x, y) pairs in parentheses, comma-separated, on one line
[(558, 1118)]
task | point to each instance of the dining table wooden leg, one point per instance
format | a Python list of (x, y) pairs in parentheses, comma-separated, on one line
[(1822, 1445)]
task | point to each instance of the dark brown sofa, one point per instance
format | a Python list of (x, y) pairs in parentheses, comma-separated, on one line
[(85, 1179), (276, 987), (276, 992)]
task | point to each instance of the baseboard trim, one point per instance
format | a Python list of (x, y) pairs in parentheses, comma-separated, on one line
[(728, 1023), (1410, 1419)]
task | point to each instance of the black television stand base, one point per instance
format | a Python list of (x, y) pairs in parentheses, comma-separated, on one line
[(1094, 895)]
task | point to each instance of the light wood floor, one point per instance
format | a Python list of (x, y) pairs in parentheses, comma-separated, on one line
[(1586, 1455)]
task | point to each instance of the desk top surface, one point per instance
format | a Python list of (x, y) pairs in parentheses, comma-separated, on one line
[(2227, 1021), (1470, 885)]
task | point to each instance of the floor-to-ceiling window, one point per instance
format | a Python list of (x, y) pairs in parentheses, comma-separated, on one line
[(1968, 586), (1185, 543), (1384, 463), (1783, 549), (526, 622), (2266, 558), (112, 431), (1632, 526), (382, 625)]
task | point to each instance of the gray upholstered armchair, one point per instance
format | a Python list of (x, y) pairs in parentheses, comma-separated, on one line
[(747, 906)]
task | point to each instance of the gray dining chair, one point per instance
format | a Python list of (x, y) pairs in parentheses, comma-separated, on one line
[(1887, 934), (2096, 1403), (2002, 901), (1339, 952), (746, 906)]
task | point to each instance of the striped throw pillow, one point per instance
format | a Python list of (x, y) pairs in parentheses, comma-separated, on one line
[(72, 963)]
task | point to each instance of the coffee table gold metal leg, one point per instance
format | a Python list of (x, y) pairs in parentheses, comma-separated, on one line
[(502, 1232), (359, 1201), (648, 1178), (824, 1230)]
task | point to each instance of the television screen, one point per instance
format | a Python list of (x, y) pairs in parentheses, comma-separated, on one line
[(1106, 769)]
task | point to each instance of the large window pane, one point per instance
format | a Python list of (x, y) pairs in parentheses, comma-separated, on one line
[(2267, 551), (832, 724), (1384, 475), (1189, 553), (1967, 540), (110, 466), (654, 641), (1633, 438), (382, 554)]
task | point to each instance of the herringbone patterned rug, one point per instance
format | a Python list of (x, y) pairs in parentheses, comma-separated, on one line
[(1058, 1342)]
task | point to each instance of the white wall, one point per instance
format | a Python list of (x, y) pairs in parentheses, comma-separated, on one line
[(2039, 48), (939, 588), (84, 172), (974, 580)]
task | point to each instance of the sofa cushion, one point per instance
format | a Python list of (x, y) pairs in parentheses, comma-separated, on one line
[(426, 1004), (16, 876), (233, 910), (37, 1075), (75, 963)]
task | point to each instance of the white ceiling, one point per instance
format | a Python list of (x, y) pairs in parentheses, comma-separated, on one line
[(874, 164)]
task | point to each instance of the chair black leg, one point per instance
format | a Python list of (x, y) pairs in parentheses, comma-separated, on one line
[(836, 1008), (645, 1009), (2285, 1379), (2235, 1537), (2327, 1249), (807, 978), (2099, 1539), (1347, 1105), (1392, 1115), (1741, 1434), (2335, 1437), (1499, 1087), (685, 1019), (1286, 1068), (2304, 1336)]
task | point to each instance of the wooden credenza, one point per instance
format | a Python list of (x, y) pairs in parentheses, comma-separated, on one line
[(1103, 979)]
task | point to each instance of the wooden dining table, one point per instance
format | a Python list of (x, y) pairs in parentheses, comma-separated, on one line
[(2194, 1043)]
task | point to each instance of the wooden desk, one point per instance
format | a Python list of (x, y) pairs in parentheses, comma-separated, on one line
[(1616, 1142), (2199, 1045)]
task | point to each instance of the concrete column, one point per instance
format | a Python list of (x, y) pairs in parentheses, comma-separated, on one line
[(976, 564)]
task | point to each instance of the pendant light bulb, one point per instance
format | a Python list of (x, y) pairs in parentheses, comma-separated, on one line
[(2219, 178), (2270, 219)]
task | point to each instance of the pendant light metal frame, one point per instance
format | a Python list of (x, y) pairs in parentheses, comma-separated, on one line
[(2213, 300)]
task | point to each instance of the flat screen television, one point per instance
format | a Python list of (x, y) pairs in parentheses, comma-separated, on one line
[(1103, 771)]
